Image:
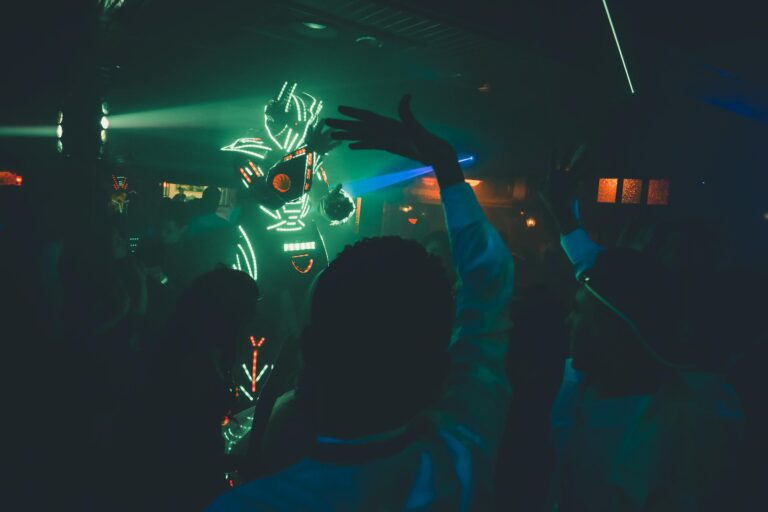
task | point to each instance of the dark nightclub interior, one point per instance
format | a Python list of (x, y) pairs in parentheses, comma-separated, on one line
[(341, 255)]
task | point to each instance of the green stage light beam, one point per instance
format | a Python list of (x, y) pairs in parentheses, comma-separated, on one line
[(28, 131), (618, 46), (202, 115)]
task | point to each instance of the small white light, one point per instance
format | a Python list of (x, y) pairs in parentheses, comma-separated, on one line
[(104, 122), (103, 135), (315, 26), (59, 131)]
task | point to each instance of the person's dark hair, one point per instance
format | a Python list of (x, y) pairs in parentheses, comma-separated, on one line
[(376, 348), (210, 201), (214, 306)]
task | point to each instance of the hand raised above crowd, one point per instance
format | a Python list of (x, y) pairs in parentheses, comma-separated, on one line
[(405, 137)]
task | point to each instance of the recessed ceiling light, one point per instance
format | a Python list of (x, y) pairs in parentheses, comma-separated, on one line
[(369, 40), (315, 26)]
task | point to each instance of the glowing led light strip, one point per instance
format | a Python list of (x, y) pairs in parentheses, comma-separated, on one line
[(246, 393), (275, 215), (288, 229), (247, 264), (287, 140), (250, 249), (618, 46), (261, 373), (247, 373), (281, 223), (269, 132), (303, 246), (254, 365), (239, 266), (282, 91)]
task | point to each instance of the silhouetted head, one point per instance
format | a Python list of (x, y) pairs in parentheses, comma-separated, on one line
[(625, 322), (215, 313), (376, 348), (211, 199)]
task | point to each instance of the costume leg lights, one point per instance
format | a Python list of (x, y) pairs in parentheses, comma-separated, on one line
[(287, 192)]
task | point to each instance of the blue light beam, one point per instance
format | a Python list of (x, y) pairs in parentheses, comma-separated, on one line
[(363, 186)]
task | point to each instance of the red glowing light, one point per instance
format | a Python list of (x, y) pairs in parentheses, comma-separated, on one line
[(282, 183), (18, 180), (256, 169), (299, 269), (245, 175), (413, 220), (254, 365), (231, 482), (225, 421)]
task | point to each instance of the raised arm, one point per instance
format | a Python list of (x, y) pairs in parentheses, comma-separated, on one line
[(559, 195), (478, 391)]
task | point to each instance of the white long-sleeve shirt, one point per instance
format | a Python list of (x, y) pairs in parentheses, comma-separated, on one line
[(451, 466), (627, 452)]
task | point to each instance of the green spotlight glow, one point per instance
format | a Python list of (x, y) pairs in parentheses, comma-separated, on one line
[(217, 114), (618, 46), (28, 131)]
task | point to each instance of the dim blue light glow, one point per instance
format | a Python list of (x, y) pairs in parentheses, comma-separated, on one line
[(366, 185)]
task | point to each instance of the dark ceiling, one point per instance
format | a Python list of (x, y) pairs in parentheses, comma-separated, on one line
[(551, 68)]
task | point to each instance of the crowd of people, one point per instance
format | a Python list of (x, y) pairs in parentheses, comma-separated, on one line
[(426, 380)]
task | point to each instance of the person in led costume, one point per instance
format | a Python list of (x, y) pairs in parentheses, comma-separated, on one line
[(287, 190)]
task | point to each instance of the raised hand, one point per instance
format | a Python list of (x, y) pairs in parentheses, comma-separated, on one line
[(559, 191), (405, 136)]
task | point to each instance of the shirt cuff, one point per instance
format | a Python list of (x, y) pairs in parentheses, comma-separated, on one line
[(460, 206), (580, 249)]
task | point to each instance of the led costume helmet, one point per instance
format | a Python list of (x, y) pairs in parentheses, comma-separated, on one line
[(290, 116)]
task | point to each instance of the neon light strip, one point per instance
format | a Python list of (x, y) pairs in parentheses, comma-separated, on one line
[(269, 132), (253, 370), (250, 249), (239, 266), (618, 46), (247, 373), (303, 246), (247, 264), (274, 215), (276, 225), (288, 229), (282, 91), (263, 370), (246, 393), (286, 146)]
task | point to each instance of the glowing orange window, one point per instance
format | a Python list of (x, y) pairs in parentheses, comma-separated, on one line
[(658, 192), (606, 190), (630, 191)]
